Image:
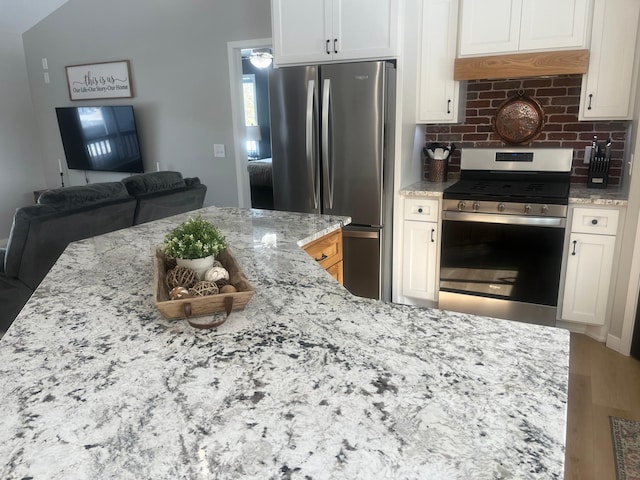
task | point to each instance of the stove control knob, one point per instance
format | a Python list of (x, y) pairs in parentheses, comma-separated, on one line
[(501, 207), (544, 209), (527, 209), (476, 206), (461, 205)]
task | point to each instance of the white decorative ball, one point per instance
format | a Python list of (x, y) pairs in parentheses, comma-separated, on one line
[(216, 273)]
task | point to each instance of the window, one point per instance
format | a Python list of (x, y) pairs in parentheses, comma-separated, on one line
[(250, 115)]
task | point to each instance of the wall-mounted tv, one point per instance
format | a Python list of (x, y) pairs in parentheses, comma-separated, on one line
[(100, 138)]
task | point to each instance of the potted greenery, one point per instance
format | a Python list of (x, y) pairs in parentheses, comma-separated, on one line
[(194, 244)]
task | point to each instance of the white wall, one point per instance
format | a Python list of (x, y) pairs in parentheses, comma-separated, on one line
[(179, 70), (20, 155)]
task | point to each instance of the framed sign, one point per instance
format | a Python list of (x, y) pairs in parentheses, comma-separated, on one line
[(99, 80)]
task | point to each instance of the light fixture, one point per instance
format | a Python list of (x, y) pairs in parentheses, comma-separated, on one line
[(261, 57)]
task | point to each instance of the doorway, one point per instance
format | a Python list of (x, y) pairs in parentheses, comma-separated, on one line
[(249, 65)]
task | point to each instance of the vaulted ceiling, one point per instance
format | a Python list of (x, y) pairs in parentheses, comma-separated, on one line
[(21, 15)]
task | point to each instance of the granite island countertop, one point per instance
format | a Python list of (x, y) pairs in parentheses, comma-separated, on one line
[(307, 382)]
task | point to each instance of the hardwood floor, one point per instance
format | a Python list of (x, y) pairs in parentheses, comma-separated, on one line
[(601, 383)]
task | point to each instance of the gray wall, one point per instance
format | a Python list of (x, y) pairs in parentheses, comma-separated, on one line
[(180, 75), (20, 155)]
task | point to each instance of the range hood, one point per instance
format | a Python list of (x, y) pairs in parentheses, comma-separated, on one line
[(518, 65)]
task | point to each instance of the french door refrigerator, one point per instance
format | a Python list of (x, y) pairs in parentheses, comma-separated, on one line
[(332, 133)]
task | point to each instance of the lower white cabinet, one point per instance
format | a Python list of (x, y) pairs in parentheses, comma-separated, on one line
[(589, 265), (420, 249)]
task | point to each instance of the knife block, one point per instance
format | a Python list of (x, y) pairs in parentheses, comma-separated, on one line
[(598, 173)]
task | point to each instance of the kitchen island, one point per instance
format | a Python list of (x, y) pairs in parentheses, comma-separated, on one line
[(307, 381)]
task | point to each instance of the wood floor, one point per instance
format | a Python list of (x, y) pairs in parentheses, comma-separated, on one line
[(601, 383)]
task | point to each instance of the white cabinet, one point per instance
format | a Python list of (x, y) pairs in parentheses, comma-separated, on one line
[(420, 249), (509, 26), (589, 265), (608, 88), (333, 30), (440, 98)]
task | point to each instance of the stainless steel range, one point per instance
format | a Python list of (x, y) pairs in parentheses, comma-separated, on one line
[(503, 228)]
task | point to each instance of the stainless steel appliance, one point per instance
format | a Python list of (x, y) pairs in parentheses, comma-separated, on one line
[(503, 229), (331, 140)]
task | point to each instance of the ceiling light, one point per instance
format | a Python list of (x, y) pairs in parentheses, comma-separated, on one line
[(261, 58)]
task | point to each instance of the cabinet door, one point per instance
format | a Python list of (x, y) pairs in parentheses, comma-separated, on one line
[(439, 95), (553, 24), (301, 31), (419, 272), (586, 289), (364, 29), (489, 26), (608, 88)]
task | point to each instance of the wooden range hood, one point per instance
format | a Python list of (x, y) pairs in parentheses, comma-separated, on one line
[(520, 65)]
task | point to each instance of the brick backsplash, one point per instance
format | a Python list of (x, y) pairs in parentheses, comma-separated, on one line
[(559, 97)]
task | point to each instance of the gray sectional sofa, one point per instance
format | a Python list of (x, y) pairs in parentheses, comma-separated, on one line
[(41, 232)]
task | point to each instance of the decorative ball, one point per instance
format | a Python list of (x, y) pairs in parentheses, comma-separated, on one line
[(181, 277), (177, 293), (222, 282), (228, 289), (216, 263), (204, 288), (216, 273)]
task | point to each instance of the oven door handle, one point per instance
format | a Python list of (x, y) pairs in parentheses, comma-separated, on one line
[(556, 222)]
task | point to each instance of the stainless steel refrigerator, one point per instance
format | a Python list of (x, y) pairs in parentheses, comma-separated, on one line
[(332, 130)]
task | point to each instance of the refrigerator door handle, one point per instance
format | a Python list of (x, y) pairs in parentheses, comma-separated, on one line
[(309, 141), (326, 156)]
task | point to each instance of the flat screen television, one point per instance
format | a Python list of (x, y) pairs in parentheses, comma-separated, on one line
[(100, 138)]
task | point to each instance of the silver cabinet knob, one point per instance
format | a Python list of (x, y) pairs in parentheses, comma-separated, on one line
[(544, 209), (461, 205), (527, 208), (501, 207), (476, 206)]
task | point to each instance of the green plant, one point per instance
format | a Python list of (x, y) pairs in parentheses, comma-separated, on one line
[(195, 238)]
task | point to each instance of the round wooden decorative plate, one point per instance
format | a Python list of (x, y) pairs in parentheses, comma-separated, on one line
[(519, 119)]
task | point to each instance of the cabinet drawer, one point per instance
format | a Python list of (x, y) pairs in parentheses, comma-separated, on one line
[(595, 220), (419, 209), (326, 250)]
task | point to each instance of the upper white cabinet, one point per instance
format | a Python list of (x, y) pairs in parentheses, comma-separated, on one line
[(608, 88), (440, 98), (333, 30), (509, 26)]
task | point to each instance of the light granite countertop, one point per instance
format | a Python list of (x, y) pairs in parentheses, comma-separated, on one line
[(307, 381), (578, 193)]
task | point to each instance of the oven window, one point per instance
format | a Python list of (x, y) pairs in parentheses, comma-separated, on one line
[(509, 262)]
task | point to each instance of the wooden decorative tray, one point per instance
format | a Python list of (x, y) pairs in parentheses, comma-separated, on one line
[(200, 306)]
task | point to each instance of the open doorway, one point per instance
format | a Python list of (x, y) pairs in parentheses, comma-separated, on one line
[(249, 65)]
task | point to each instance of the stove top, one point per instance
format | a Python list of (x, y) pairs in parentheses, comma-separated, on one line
[(514, 175), (509, 191)]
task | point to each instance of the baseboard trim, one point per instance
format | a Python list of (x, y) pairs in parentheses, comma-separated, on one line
[(614, 343)]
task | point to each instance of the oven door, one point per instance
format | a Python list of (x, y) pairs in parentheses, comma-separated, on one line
[(505, 266)]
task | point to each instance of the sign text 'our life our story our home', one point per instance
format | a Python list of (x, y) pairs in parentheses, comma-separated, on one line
[(100, 80)]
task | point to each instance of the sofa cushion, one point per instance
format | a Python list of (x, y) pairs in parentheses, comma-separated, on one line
[(153, 182), (71, 197)]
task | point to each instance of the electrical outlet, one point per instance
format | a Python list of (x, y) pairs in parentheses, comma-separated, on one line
[(587, 154), (218, 150)]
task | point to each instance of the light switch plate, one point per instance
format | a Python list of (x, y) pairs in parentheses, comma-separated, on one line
[(218, 150)]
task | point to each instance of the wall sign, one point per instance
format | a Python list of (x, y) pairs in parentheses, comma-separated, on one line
[(99, 80)]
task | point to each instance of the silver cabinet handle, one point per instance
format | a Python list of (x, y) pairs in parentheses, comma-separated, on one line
[(575, 242), (433, 231), (327, 47), (590, 98), (335, 45)]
